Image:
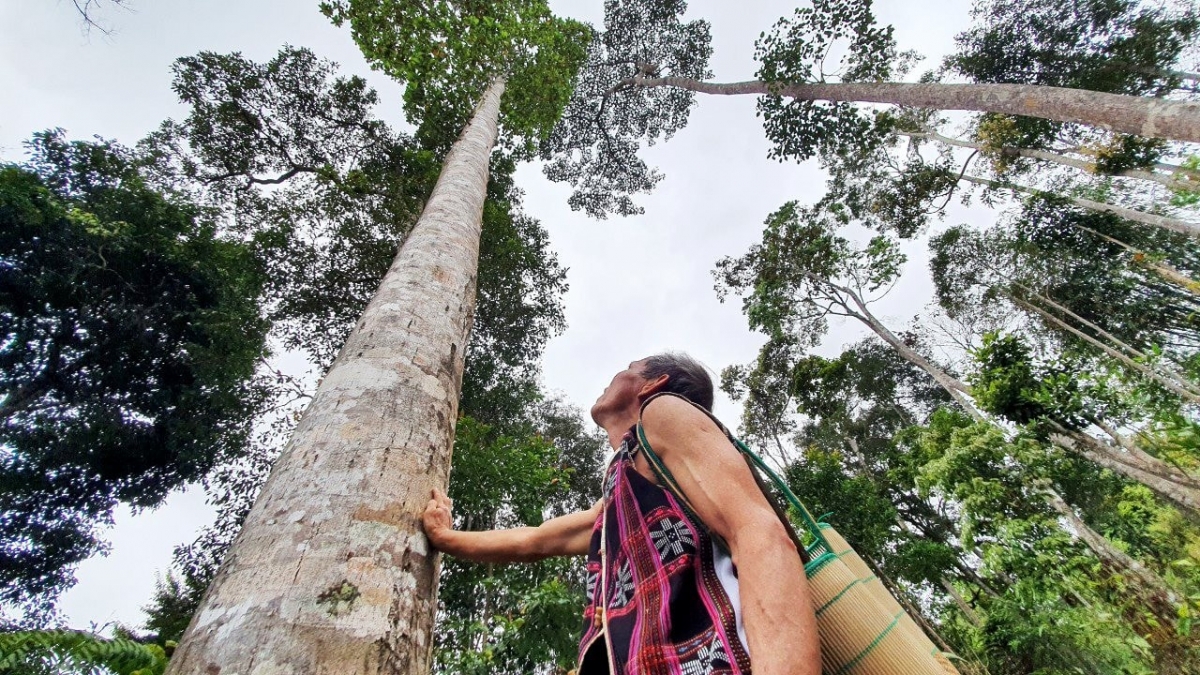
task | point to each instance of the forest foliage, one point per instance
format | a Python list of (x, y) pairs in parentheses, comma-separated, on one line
[(1020, 463), (1019, 460)]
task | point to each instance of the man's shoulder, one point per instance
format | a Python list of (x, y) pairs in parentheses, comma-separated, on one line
[(670, 408), (670, 417)]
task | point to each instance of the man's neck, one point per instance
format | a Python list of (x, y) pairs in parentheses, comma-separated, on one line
[(616, 426), (615, 436)]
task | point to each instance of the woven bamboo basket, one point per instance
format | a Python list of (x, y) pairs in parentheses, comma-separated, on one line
[(870, 633)]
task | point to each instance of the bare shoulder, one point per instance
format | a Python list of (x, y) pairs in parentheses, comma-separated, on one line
[(668, 419)]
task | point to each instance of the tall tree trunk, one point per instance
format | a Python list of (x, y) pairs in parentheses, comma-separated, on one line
[(1139, 115), (1145, 459), (331, 572), (1163, 270), (1167, 370), (956, 388), (1170, 384), (1164, 480), (1161, 598), (1167, 272), (1054, 158), (1165, 222)]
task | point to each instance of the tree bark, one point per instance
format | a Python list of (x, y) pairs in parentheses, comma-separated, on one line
[(1165, 222), (1055, 158), (1143, 458), (1139, 115), (331, 573)]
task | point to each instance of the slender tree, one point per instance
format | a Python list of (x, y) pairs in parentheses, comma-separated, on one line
[(803, 273)]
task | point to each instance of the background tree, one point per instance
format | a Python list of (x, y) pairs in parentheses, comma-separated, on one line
[(647, 46), (1094, 412), (1119, 46), (89, 11), (131, 333), (520, 618)]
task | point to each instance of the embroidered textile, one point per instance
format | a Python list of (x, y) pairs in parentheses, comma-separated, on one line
[(652, 587)]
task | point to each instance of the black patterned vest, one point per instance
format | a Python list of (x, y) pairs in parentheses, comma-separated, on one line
[(655, 603)]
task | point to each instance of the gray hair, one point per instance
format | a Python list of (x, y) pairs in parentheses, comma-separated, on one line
[(686, 377)]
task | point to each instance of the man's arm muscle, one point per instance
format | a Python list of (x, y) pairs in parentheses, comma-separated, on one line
[(776, 607)]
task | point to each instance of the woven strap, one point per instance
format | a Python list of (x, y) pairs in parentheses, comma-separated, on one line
[(755, 464)]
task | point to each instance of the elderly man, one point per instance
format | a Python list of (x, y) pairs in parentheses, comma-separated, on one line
[(662, 597)]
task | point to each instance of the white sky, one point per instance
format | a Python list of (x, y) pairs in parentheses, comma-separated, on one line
[(638, 285)]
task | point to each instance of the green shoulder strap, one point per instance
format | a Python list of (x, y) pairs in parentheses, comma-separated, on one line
[(755, 464)]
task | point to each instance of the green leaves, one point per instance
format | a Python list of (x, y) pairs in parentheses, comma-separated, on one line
[(795, 52), (1117, 46), (131, 331), (446, 53), (1007, 385), (609, 118), (75, 652), (516, 619), (802, 270)]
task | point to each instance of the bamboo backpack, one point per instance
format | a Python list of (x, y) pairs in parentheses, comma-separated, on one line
[(863, 630)]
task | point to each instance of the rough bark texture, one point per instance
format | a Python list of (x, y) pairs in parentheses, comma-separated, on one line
[(1054, 158), (331, 573), (1165, 222), (1139, 115)]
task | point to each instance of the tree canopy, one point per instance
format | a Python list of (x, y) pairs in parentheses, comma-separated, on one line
[(131, 336)]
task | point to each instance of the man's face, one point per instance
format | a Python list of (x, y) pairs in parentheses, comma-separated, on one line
[(622, 392)]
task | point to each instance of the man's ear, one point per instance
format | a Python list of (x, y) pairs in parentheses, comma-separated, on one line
[(653, 387)]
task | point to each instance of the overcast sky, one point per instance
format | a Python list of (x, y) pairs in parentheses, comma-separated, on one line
[(637, 285)]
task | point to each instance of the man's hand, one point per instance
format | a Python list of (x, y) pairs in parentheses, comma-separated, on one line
[(438, 517)]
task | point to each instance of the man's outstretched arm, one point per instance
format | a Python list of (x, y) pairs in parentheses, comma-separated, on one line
[(565, 535), (780, 623)]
